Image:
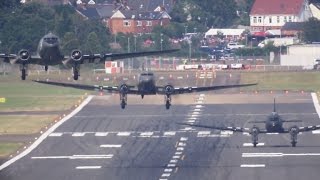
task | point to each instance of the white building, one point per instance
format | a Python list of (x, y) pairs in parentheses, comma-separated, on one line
[(273, 14), (301, 55)]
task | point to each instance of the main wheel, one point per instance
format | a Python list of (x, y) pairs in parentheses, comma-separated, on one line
[(123, 105), (46, 68), (167, 105), (294, 144), (23, 74), (75, 75), (255, 144)]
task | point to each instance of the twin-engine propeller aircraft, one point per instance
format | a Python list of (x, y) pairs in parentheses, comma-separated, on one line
[(145, 86), (273, 124), (49, 54)]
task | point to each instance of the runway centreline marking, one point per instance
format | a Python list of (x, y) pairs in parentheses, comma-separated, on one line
[(278, 154), (252, 165), (107, 156), (111, 145), (46, 134), (316, 103), (88, 167)]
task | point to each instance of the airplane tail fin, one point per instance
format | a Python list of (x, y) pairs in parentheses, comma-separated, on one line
[(274, 105)]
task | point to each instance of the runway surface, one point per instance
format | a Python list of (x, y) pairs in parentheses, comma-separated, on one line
[(143, 141)]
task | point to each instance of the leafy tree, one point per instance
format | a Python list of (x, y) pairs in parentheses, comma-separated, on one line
[(93, 44), (311, 31), (69, 42)]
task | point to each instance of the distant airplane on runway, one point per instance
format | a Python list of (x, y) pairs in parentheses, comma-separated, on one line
[(49, 54), (145, 86), (273, 124)]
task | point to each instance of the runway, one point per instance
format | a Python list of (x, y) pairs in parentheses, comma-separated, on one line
[(144, 141)]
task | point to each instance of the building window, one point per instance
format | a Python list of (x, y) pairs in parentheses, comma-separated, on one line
[(254, 19), (259, 19), (278, 19), (270, 20), (149, 23), (126, 23), (139, 23), (290, 19), (285, 19)]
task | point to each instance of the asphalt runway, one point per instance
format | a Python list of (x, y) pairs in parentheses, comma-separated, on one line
[(143, 141)]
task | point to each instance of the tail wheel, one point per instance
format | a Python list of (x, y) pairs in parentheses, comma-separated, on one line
[(23, 74)]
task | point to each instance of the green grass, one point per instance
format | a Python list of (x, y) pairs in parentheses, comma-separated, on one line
[(296, 81), (24, 124), (7, 148), (27, 95)]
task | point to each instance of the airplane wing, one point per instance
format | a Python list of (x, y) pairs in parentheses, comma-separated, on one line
[(223, 128), (182, 90), (234, 129), (90, 87), (304, 129), (13, 59), (101, 58)]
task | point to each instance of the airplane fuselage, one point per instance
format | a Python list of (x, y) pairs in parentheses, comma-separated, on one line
[(146, 84), (274, 124), (49, 50)]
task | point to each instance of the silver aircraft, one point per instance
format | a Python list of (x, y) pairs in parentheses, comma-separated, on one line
[(146, 86), (49, 54)]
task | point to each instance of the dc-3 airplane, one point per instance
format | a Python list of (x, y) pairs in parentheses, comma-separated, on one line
[(273, 124), (145, 86), (49, 54)]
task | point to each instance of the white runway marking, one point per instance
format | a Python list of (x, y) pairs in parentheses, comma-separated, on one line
[(169, 133), (146, 134), (252, 165), (88, 167), (101, 134), (123, 134), (183, 138), (199, 106), (168, 170), (316, 103), (111, 145), (78, 134), (171, 165), (56, 134), (272, 133), (191, 121), (251, 145), (46, 134), (107, 156), (278, 154), (316, 132), (165, 175), (226, 132)]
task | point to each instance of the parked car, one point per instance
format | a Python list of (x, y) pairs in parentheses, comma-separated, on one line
[(234, 45)]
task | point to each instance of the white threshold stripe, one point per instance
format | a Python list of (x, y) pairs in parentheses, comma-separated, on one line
[(316, 103), (55, 134), (278, 154), (108, 156), (88, 167), (250, 144), (110, 145), (46, 134), (252, 165)]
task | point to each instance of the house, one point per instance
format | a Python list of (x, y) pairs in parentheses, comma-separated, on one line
[(136, 22), (315, 10), (273, 14)]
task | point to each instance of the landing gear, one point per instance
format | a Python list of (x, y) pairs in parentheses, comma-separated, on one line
[(76, 73), (46, 68), (294, 137), (142, 96), (254, 139), (23, 68), (123, 100), (254, 135), (167, 99)]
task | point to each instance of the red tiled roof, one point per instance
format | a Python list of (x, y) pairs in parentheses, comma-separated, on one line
[(265, 7)]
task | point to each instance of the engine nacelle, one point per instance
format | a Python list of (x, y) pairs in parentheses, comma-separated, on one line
[(168, 89), (124, 89), (76, 55), (24, 55), (294, 130)]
